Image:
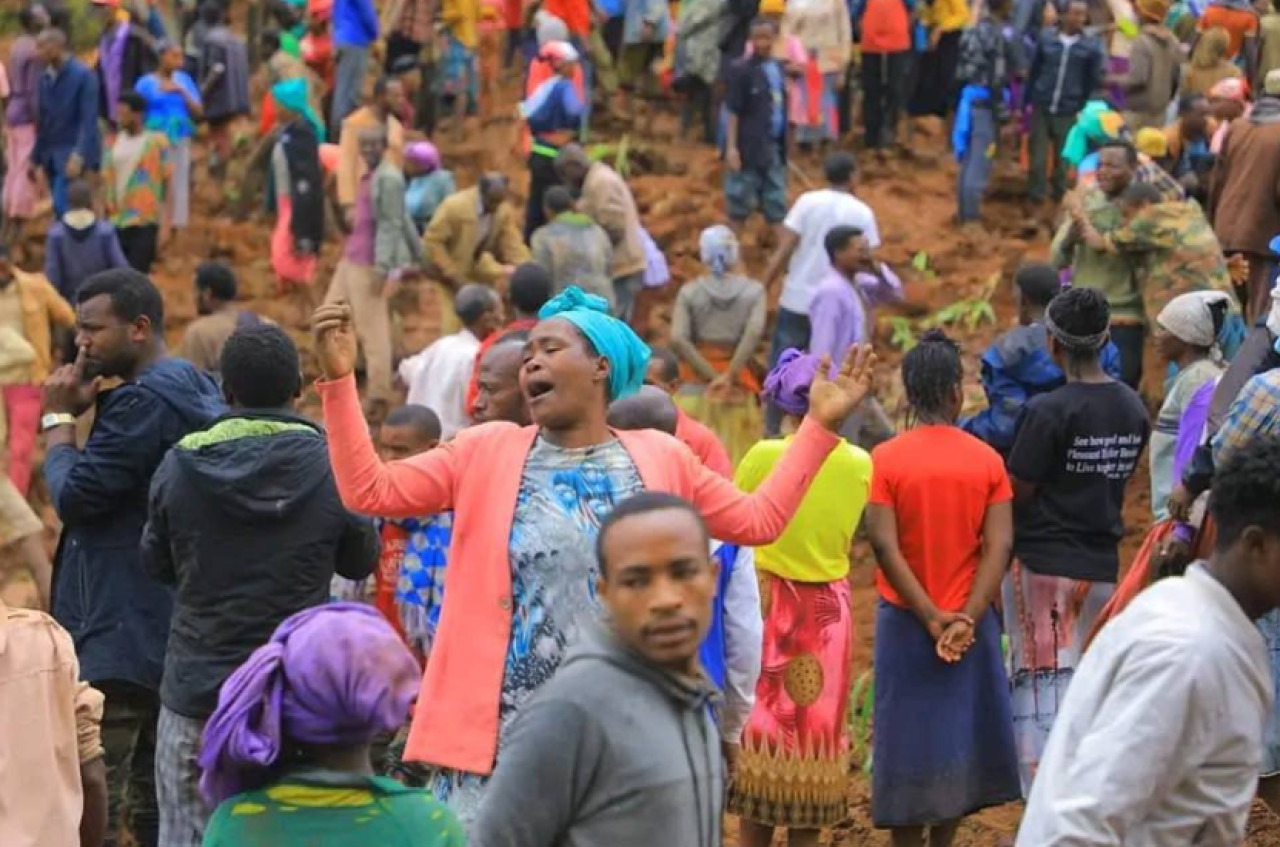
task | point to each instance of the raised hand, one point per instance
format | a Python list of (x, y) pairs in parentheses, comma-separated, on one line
[(66, 391), (831, 400), (336, 344)]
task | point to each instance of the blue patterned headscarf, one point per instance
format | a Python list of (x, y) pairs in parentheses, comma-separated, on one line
[(628, 356)]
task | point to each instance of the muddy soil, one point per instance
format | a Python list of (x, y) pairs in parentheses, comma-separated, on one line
[(677, 185)]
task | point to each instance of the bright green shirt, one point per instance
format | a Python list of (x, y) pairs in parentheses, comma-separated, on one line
[(336, 810), (815, 545)]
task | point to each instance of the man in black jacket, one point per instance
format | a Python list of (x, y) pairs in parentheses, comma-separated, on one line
[(117, 616), (246, 521), (1066, 69)]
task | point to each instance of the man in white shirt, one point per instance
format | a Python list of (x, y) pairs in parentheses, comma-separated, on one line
[(804, 232), (438, 376), (1159, 738)]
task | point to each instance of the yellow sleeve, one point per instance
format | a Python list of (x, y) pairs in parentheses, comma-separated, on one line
[(754, 467)]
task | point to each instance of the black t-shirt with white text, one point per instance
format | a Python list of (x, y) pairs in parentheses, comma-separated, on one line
[(1079, 445)]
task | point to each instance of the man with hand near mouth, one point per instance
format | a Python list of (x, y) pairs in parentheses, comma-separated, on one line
[(578, 734)]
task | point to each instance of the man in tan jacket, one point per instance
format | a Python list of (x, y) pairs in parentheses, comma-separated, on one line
[(473, 237), (388, 100), (603, 196)]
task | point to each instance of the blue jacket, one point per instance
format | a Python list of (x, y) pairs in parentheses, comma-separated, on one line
[(712, 652), (73, 255), (1062, 79), (118, 617), (355, 23), (72, 127), (1015, 369)]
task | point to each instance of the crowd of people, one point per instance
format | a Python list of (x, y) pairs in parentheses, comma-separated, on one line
[(546, 582)]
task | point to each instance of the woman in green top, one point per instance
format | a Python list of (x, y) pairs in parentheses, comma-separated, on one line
[(286, 755)]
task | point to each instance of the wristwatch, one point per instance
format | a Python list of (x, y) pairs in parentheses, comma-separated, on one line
[(53, 419)]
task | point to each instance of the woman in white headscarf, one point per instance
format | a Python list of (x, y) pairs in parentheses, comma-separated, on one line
[(1186, 335), (716, 328)]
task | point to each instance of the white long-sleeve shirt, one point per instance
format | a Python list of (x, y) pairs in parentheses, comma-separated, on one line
[(743, 644), (1159, 738), (438, 378)]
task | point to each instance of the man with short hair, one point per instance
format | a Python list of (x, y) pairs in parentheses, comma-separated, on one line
[(1110, 272), (387, 101), (135, 180), (474, 237), (802, 249), (842, 316), (605, 197), (664, 372), (216, 290), (118, 616), (380, 250), (755, 147), (438, 376), (498, 395), (1188, 651), (246, 523), (527, 292), (1066, 69), (658, 582), (573, 248), (80, 244), (67, 139)]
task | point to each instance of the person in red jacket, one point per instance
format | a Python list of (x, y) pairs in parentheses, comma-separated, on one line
[(886, 58)]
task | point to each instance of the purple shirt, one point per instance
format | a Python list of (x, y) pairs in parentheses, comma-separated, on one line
[(363, 226), (112, 49), (838, 313), (24, 83)]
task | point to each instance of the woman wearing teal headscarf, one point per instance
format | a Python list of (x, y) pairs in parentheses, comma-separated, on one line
[(299, 190), (1096, 124), (527, 504)]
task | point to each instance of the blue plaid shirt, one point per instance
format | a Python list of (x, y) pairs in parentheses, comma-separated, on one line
[(1254, 414)]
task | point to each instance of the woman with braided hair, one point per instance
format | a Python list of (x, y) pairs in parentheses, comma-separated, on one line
[(941, 523), (1074, 450)]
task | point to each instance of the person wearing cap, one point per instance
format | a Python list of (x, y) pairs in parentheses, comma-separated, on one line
[(1154, 63), (1243, 202), (528, 503), (550, 117), (68, 141), (429, 182)]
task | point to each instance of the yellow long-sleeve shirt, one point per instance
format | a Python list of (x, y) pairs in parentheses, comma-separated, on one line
[(946, 15)]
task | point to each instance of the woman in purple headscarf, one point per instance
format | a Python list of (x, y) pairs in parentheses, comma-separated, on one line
[(286, 754), (793, 766), (429, 183)]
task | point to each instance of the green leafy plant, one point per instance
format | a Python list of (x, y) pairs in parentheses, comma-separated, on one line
[(904, 333), (862, 702), (620, 152)]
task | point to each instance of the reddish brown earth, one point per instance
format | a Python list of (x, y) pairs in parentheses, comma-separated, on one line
[(677, 186)]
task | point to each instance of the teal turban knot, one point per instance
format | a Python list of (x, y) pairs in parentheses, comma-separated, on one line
[(628, 356), (292, 94)]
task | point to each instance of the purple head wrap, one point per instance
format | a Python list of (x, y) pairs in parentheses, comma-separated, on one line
[(787, 385), (335, 674), (422, 155)]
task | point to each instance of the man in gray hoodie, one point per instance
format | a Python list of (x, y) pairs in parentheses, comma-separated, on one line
[(619, 749)]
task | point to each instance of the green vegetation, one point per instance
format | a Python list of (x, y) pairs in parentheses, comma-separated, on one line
[(971, 312)]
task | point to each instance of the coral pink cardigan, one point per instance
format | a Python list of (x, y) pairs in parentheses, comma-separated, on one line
[(477, 474)]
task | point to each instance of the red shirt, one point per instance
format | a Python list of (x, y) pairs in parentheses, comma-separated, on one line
[(886, 27), (576, 15), (394, 541), (473, 387), (704, 444), (939, 480)]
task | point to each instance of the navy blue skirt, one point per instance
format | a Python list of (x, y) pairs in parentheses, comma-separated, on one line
[(942, 742)]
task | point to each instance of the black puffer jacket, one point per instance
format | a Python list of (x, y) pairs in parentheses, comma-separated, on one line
[(246, 521), (1062, 79)]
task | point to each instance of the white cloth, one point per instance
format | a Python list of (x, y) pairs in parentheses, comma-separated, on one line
[(743, 643), (1273, 317), (438, 378), (1158, 740), (1190, 318), (126, 152), (814, 214)]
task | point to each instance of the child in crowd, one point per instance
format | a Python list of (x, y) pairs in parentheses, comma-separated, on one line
[(1073, 453), (578, 733), (941, 523), (135, 179), (80, 244), (1018, 366), (793, 768)]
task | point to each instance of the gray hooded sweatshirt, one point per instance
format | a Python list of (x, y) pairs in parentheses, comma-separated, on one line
[(612, 752)]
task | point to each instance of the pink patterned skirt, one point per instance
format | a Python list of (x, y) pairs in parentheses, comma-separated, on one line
[(794, 767), (21, 193)]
